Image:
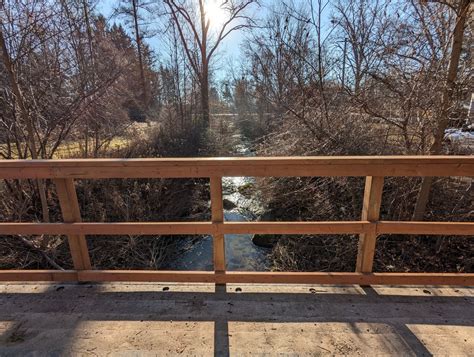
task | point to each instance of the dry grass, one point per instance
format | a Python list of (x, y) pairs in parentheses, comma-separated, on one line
[(74, 148), (340, 198), (106, 201)]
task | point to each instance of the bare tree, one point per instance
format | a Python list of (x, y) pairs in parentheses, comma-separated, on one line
[(291, 65), (461, 9), (53, 83), (132, 10), (408, 47), (24, 115), (360, 22), (194, 27)]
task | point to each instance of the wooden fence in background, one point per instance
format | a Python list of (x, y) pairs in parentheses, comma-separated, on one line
[(64, 172)]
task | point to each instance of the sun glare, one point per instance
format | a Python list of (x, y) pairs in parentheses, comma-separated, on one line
[(215, 13)]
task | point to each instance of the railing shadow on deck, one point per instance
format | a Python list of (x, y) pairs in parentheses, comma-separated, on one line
[(71, 305)]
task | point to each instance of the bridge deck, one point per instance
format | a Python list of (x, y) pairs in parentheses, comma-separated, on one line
[(193, 319)]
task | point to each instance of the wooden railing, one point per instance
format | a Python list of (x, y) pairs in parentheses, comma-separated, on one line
[(63, 173)]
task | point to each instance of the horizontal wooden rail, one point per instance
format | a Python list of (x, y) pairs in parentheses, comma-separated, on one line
[(190, 228), (434, 228), (218, 167), (369, 227), (241, 277)]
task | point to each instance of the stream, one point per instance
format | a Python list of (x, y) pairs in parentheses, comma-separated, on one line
[(241, 253)]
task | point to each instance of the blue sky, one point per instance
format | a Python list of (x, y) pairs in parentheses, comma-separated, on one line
[(230, 49)]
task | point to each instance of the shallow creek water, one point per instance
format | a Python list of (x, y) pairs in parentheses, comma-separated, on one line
[(241, 253)]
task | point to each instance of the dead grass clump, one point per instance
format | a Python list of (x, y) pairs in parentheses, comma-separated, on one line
[(315, 253)]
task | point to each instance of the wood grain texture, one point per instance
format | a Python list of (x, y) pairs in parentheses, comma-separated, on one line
[(261, 227), (71, 213), (38, 275), (217, 209), (116, 228), (262, 166), (370, 212), (348, 278), (428, 228)]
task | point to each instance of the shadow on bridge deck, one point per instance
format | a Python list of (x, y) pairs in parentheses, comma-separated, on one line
[(194, 319)]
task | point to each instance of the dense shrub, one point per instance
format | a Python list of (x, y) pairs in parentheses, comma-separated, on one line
[(111, 200), (340, 198)]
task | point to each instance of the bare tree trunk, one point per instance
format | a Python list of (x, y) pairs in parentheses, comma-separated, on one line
[(344, 64), (85, 7), (19, 101), (205, 98), (205, 67), (446, 103), (140, 53)]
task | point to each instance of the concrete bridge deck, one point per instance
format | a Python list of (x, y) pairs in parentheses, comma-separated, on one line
[(194, 319)]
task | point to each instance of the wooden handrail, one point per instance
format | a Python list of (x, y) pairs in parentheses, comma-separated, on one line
[(63, 172), (261, 227), (258, 167)]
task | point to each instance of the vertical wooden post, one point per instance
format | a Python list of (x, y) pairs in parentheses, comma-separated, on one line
[(370, 212), (217, 210), (71, 213)]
